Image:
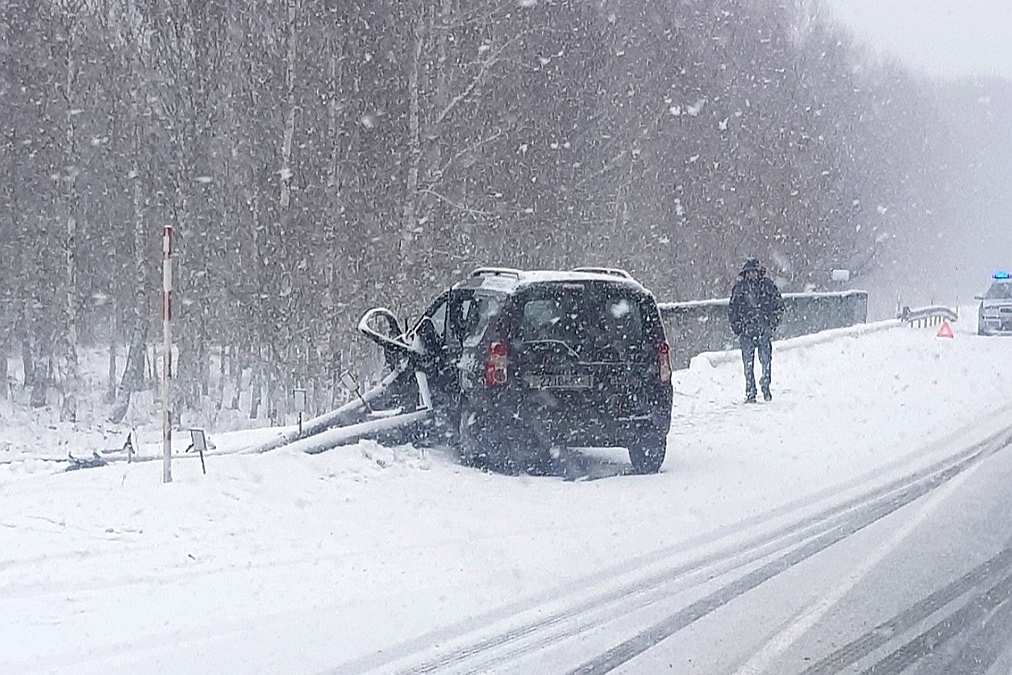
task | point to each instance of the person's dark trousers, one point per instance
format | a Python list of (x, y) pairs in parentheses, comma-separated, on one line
[(749, 346)]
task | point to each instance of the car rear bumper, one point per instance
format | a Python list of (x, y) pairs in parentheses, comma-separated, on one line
[(1001, 326), (554, 421)]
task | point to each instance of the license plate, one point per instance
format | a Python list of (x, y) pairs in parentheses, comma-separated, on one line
[(560, 381)]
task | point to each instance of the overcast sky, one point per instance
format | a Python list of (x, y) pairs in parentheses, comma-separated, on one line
[(947, 38)]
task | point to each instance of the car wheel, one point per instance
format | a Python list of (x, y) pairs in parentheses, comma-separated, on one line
[(646, 453), (499, 445), (483, 444)]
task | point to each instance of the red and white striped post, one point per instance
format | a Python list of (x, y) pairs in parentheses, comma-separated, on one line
[(167, 354)]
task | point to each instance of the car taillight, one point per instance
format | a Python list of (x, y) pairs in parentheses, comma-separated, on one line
[(664, 362), (495, 367)]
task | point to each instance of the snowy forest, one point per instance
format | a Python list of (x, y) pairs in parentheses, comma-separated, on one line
[(319, 157)]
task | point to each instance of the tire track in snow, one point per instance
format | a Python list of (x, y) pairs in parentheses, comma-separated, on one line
[(795, 542), (872, 512), (762, 661), (983, 578), (989, 608)]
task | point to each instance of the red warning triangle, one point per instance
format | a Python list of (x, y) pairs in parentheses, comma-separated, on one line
[(945, 331)]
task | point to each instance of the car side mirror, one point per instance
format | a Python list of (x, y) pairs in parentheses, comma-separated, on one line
[(978, 297)]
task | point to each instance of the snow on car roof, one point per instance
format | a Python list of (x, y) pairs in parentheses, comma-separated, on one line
[(507, 279), (536, 276)]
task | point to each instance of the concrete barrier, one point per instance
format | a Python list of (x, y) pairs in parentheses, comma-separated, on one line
[(702, 326), (712, 359)]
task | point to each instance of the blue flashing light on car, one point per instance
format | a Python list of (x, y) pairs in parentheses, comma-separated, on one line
[(1002, 275)]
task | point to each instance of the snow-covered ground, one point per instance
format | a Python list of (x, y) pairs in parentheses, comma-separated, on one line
[(369, 558)]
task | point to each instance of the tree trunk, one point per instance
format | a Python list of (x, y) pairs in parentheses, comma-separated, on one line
[(68, 352), (204, 355), (409, 212), (153, 366), (40, 376), (27, 361), (133, 372), (335, 232), (289, 130), (276, 400), (237, 392), (110, 394), (256, 392), (237, 365), (3, 373), (68, 330), (219, 389)]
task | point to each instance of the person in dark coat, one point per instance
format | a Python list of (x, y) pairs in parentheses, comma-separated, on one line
[(755, 310)]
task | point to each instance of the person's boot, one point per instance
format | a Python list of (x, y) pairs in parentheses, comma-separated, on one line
[(750, 397), (767, 396)]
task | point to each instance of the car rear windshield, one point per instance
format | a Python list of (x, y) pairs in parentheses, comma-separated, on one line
[(599, 321), (1002, 291)]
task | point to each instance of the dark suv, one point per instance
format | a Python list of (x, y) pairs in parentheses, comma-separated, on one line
[(523, 363)]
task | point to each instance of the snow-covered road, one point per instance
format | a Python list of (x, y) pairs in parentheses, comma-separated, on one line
[(373, 559)]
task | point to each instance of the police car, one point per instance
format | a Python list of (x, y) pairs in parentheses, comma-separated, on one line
[(994, 316)]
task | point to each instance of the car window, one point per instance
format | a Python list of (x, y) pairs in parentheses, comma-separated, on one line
[(999, 292), (541, 318), (622, 319), (557, 317), (598, 322), (438, 318)]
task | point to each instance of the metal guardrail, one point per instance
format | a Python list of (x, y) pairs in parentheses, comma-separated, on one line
[(702, 326), (924, 317)]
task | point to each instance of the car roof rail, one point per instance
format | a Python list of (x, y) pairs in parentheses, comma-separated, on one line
[(610, 271), (496, 272)]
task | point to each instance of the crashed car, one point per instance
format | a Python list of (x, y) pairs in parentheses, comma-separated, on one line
[(994, 315), (520, 365)]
